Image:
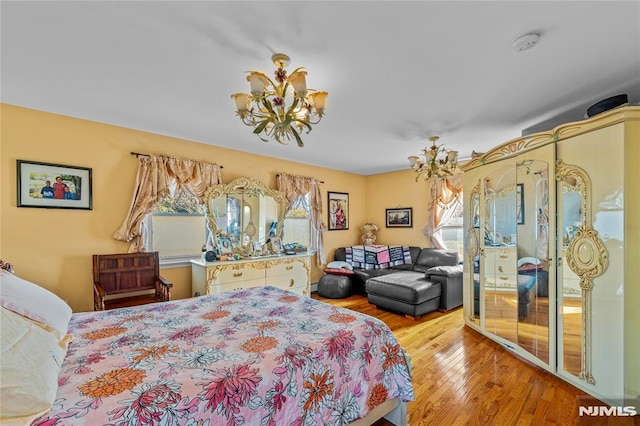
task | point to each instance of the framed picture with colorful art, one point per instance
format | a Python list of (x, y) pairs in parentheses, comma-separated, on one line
[(53, 186), (338, 211), (401, 217)]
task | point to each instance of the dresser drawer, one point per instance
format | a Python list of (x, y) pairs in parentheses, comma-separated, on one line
[(219, 288), (501, 261), (230, 275), (501, 282)]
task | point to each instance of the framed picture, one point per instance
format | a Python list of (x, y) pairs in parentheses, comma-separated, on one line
[(338, 211), (225, 246), (401, 217), (276, 245), (56, 186), (520, 203)]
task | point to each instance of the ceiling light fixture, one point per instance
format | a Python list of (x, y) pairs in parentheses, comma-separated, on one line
[(281, 109), (526, 42), (434, 162)]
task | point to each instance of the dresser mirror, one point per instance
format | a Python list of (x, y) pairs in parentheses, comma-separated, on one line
[(584, 257), (246, 212)]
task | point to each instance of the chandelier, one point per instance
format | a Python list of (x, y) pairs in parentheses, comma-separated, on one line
[(434, 162), (283, 109)]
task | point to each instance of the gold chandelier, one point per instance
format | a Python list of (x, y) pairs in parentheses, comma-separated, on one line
[(281, 109), (434, 162)]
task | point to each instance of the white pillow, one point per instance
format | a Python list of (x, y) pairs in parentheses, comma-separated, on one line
[(34, 302), (339, 264), (532, 260), (31, 359)]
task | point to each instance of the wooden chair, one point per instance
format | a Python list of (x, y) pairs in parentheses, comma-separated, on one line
[(131, 278)]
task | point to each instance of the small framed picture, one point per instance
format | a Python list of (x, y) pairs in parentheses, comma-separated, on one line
[(225, 246), (401, 217), (54, 186), (338, 211), (276, 245)]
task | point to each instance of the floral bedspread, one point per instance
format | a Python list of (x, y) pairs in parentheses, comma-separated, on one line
[(261, 356)]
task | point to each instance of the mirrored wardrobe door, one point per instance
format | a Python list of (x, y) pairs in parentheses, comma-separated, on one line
[(534, 242), (585, 257), (498, 259)]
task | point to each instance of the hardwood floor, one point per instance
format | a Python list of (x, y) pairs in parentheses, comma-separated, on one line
[(461, 377)]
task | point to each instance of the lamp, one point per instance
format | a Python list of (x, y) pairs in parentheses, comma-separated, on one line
[(281, 109), (434, 162)]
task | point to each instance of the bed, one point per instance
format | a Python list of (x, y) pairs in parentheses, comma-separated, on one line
[(261, 356)]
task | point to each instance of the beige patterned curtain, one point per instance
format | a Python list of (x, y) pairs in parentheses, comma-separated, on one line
[(445, 203), (296, 186), (156, 173)]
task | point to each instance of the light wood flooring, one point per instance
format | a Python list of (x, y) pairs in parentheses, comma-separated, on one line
[(461, 377)]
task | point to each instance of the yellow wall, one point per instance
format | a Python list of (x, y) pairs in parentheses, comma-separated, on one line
[(393, 190), (53, 247)]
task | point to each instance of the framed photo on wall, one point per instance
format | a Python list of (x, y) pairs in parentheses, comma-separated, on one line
[(401, 217), (54, 186), (338, 211)]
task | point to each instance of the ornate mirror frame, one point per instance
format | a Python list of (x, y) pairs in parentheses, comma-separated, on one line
[(586, 256), (473, 245), (243, 185)]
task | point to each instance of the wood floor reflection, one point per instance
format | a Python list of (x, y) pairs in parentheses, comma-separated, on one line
[(463, 378)]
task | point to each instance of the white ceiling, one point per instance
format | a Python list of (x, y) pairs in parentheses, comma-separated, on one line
[(396, 72)]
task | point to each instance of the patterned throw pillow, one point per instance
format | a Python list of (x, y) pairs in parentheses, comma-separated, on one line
[(338, 271)]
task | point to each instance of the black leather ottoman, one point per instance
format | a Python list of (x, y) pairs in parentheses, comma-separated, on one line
[(335, 286), (407, 292)]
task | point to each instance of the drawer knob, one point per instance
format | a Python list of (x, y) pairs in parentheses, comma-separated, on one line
[(289, 268), (237, 274), (503, 256), (504, 278), (500, 269), (291, 283)]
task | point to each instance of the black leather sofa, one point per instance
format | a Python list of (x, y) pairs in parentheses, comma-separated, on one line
[(433, 281)]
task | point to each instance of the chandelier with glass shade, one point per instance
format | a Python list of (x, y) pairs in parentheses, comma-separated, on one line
[(280, 109), (434, 162)]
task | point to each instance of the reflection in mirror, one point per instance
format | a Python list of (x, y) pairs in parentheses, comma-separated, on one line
[(533, 258), (246, 211), (585, 257), (498, 254)]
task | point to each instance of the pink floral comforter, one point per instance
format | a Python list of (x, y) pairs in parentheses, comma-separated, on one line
[(261, 356)]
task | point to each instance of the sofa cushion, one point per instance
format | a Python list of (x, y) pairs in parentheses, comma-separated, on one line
[(406, 286), (444, 271), (365, 274), (430, 257)]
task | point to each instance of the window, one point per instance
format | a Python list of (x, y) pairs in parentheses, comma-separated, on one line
[(452, 234), (176, 228), (297, 223)]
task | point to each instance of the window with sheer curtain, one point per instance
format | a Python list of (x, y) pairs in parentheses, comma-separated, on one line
[(176, 227), (176, 186)]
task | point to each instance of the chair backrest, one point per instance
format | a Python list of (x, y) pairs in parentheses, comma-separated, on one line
[(126, 272)]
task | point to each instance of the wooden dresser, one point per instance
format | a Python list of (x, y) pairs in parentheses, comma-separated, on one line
[(291, 273)]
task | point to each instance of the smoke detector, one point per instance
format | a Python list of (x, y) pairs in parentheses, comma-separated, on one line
[(526, 42)]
